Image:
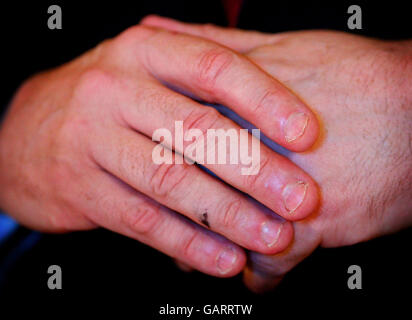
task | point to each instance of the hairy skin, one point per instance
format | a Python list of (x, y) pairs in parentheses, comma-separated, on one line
[(76, 150), (360, 90)]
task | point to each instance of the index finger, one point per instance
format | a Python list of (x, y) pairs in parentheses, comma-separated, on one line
[(217, 74)]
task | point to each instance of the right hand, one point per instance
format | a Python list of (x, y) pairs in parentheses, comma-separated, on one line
[(76, 150), (360, 89)]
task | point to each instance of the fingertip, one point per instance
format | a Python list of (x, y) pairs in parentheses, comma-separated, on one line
[(277, 238), (220, 259), (285, 238), (301, 130), (230, 261), (259, 283), (300, 199)]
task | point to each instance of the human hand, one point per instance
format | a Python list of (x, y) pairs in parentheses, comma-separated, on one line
[(76, 150), (360, 89)]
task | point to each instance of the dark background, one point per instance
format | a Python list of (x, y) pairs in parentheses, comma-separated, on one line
[(105, 272)]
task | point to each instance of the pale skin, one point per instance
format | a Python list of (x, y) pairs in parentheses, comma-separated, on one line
[(360, 90), (76, 150)]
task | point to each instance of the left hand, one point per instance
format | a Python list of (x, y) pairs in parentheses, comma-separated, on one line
[(360, 90)]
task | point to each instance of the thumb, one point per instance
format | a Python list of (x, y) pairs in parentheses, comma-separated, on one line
[(238, 40), (183, 266), (265, 272)]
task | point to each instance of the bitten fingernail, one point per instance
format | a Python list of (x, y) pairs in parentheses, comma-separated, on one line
[(295, 126), (271, 232), (226, 260), (293, 195)]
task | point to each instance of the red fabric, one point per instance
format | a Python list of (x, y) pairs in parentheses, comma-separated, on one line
[(232, 9)]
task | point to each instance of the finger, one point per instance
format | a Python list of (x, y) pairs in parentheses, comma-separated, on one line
[(183, 266), (239, 40), (192, 192), (217, 74), (265, 272), (277, 183), (117, 207), (260, 282)]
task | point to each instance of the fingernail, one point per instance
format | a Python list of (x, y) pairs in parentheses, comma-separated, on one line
[(295, 126), (271, 232), (293, 195), (226, 260)]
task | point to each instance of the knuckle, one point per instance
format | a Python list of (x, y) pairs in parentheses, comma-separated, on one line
[(251, 182), (92, 84), (133, 35), (189, 246), (209, 30), (203, 119), (231, 213), (167, 178), (211, 65), (77, 124), (268, 98), (143, 218)]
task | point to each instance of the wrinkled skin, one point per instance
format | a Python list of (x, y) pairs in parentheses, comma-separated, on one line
[(76, 150), (360, 90)]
